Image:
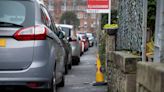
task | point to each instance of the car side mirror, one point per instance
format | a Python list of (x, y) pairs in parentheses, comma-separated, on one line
[(61, 35), (69, 39), (64, 33), (79, 38)]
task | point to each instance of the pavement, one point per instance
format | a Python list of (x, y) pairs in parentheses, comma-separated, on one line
[(82, 76)]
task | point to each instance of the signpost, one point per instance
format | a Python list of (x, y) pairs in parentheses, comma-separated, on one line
[(99, 6)]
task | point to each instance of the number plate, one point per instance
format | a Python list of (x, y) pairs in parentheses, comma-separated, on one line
[(2, 42)]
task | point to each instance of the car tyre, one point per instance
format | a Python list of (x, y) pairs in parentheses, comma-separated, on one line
[(52, 85), (77, 61), (62, 83), (70, 66), (66, 69)]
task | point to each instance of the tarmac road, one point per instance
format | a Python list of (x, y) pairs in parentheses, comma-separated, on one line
[(81, 77)]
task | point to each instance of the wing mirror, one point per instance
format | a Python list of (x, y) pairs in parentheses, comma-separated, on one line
[(69, 39), (61, 35)]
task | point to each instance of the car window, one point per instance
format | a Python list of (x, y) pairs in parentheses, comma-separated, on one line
[(67, 31), (46, 17), (17, 12)]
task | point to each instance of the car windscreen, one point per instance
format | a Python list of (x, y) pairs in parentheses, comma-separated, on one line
[(16, 12), (67, 31), (89, 35)]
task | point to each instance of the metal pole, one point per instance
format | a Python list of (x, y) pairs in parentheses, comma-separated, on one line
[(159, 34), (144, 29), (98, 30), (109, 14), (74, 4), (65, 5)]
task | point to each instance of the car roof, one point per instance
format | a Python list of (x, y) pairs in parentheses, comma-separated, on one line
[(65, 25), (38, 1)]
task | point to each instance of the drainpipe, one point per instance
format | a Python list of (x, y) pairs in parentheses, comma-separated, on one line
[(159, 34)]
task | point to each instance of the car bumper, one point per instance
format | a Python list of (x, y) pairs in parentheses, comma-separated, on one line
[(22, 78), (40, 71), (75, 51)]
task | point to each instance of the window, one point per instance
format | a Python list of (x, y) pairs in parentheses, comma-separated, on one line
[(67, 31), (93, 16), (17, 12)]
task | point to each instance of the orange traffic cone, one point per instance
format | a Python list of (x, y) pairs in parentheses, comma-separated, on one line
[(99, 75)]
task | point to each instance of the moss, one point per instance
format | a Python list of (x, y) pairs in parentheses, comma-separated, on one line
[(110, 26)]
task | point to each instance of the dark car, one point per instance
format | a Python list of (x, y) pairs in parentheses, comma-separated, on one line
[(74, 42), (68, 50)]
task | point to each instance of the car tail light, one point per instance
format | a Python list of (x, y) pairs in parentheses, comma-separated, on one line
[(31, 33), (32, 85), (84, 40), (73, 40)]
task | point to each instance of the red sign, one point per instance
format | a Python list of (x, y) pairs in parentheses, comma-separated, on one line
[(98, 4)]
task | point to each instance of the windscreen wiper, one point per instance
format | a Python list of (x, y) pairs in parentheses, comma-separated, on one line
[(8, 24)]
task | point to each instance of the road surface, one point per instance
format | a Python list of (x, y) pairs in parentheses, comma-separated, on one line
[(81, 77)]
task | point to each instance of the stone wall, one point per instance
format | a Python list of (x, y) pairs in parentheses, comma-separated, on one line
[(121, 71), (129, 36), (150, 77)]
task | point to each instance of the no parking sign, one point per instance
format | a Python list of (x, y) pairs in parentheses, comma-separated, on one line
[(98, 6)]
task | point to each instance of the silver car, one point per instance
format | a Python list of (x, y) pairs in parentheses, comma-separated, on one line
[(31, 54), (91, 39), (72, 38)]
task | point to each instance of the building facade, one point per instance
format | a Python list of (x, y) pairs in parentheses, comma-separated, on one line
[(87, 21)]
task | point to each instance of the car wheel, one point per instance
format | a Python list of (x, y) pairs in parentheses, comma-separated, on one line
[(66, 69), (70, 66), (52, 85), (77, 61), (62, 83)]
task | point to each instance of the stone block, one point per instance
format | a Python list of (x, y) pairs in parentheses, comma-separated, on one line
[(130, 83), (122, 67), (151, 76), (126, 61)]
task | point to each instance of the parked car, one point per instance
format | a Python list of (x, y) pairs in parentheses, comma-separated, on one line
[(84, 39), (81, 46), (91, 39), (31, 54), (68, 50), (72, 38)]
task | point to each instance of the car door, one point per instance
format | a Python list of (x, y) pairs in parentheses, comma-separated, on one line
[(57, 44), (60, 65)]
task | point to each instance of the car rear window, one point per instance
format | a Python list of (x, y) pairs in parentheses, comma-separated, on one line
[(67, 31), (17, 12)]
